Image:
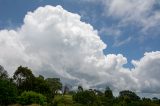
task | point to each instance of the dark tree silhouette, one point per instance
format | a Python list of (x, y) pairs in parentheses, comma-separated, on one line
[(3, 73)]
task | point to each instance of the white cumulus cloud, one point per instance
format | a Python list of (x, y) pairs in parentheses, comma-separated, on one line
[(56, 43), (147, 71)]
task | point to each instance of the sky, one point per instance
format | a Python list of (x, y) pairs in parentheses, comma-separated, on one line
[(93, 43)]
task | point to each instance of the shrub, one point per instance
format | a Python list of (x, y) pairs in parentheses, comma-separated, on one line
[(30, 97)]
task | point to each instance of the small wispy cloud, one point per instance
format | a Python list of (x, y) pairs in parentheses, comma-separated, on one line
[(110, 31), (116, 34), (118, 43)]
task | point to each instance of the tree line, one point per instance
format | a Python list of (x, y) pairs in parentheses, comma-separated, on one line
[(25, 88), (24, 83)]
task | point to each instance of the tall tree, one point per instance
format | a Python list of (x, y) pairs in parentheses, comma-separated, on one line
[(54, 84), (24, 78), (80, 88), (41, 86), (108, 93), (128, 96), (87, 97), (8, 92)]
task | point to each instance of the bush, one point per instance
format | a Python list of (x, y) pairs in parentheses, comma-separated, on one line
[(30, 97)]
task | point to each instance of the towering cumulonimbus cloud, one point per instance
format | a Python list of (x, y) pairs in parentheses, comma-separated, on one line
[(56, 43)]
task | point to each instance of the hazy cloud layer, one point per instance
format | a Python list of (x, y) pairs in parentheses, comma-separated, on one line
[(56, 43)]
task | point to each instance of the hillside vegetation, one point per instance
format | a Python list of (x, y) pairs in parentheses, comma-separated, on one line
[(25, 89)]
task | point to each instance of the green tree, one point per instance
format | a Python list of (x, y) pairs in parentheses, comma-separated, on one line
[(80, 88), (24, 78), (8, 92), (87, 97), (65, 90), (156, 100), (146, 99), (128, 96), (41, 86), (55, 85), (108, 93), (107, 99)]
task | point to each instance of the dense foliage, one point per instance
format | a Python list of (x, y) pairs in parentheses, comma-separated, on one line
[(30, 97), (24, 85), (8, 92), (25, 88), (87, 97)]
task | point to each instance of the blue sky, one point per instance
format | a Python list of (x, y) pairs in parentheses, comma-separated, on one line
[(69, 40), (12, 13)]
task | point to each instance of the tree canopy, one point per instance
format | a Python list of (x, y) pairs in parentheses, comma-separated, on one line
[(26, 88)]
